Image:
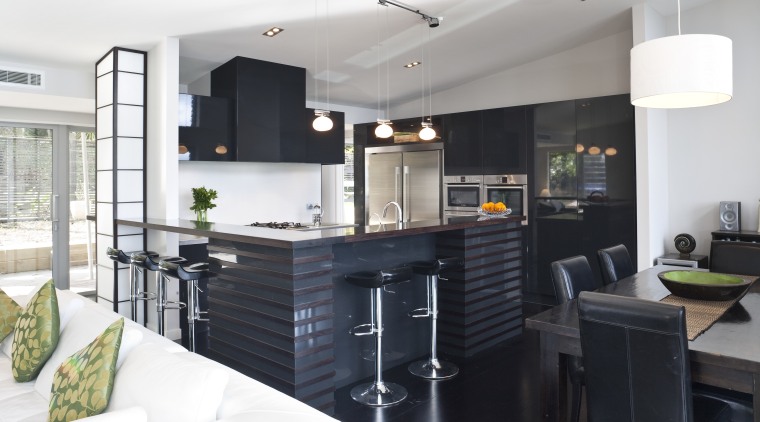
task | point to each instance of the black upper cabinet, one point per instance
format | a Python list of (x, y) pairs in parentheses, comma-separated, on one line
[(325, 147), (267, 99), (405, 131), (486, 142), (462, 143), (205, 125), (504, 137)]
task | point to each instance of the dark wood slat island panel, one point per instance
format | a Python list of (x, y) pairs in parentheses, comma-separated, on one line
[(280, 309), (481, 305), (271, 316)]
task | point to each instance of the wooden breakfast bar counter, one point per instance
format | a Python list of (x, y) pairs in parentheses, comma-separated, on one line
[(280, 309)]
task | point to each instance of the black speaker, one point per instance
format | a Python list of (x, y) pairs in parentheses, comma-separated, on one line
[(730, 213)]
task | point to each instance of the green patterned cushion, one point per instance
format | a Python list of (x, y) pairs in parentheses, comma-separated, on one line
[(36, 334), (83, 383), (9, 313)]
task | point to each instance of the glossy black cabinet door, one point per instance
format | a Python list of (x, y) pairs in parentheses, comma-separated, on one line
[(584, 181), (463, 146), (268, 103), (504, 134), (405, 131), (325, 147), (205, 126)]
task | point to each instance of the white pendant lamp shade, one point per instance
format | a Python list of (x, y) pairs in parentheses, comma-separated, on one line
[(322, 123), (383, 130), (682, 71), (427, 133)]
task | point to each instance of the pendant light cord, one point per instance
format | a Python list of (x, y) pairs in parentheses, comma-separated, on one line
[(377, 24), (679, 16), (387, 71), (424, 63), (316, 55), (430, 80), (327, 43)]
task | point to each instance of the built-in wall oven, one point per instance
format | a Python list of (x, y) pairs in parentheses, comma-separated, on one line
[(462, 195), (511, 189)]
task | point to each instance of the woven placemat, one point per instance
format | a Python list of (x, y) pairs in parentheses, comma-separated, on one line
[(700, 314)]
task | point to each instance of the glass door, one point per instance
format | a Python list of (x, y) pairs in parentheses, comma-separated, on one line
[(81, 203), (26, 196), (44, 200)]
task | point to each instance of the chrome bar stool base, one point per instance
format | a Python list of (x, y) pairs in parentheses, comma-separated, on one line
[(438, 370), (432, 368), (378, 395)]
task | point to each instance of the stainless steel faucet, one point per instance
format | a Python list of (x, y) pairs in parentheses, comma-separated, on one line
[(399, 213)]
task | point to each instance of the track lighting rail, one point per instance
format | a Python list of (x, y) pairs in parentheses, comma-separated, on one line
[(432, 22)]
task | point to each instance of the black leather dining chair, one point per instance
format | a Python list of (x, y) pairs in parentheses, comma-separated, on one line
[(636, 361), (570, 277), (615, 263), (735, 257)]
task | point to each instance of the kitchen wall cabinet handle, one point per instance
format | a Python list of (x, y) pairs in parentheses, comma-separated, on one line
[(397, 182), (407, 209)]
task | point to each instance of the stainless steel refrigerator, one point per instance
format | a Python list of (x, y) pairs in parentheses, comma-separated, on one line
[(408, 174)]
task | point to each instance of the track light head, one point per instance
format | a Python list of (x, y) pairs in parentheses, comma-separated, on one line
[(433, 22)]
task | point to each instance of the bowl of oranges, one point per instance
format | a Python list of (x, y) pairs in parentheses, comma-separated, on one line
[(490, 209)]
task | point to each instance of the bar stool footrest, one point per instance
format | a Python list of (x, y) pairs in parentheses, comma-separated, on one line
[(144, 296), (420, 313), (363, 330)]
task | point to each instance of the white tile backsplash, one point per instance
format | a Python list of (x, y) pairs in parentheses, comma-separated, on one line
[(251, 192)]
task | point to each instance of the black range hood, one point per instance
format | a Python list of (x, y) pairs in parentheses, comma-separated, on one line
[(268, 104)]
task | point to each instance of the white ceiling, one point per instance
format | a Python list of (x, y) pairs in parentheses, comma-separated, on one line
[(476, 38)]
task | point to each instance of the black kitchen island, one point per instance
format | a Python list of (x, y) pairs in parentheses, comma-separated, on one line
[(280, 309)]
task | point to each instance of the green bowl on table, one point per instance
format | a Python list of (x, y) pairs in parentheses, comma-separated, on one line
[(703, 285)]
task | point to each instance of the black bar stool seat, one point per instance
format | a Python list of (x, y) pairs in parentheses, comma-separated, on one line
[(135, 293), (190, 273), (432, 368), (150, 262), (377, 393)]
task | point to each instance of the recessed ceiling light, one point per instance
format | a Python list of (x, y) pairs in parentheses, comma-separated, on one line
[(412, 64), (271, 32)]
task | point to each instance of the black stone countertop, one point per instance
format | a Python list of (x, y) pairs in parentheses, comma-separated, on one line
[(295, 239)]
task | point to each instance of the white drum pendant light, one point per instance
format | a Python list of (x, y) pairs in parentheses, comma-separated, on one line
[(681, 71)]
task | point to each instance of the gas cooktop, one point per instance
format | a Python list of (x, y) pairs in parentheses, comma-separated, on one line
[(276, 225)]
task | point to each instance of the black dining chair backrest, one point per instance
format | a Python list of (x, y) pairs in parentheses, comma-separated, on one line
[(735, 257), (572, 276), (636, 362), (615, 263)]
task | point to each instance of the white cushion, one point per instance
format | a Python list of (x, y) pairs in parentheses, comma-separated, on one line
[(68, 305), (278, 416), (20, 402), (132, 414), (81, 331), (246, 396), (168, 387)]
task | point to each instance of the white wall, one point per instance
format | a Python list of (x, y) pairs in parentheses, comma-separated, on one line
[(251, 192), (713, 151), (595, 69), (651, 159), (28, 115)]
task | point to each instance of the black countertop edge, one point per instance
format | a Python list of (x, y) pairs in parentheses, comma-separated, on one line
[(294, 239)]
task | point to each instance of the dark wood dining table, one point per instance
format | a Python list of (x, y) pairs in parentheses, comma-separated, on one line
[(727, 355)]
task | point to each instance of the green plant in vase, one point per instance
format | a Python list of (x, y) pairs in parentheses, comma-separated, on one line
[(202, 198)]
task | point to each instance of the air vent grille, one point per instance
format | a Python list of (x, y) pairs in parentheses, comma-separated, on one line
[(14, 77)]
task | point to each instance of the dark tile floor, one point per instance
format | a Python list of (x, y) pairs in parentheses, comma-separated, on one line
[(500, 384)]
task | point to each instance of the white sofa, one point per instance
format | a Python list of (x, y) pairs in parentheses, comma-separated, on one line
[(156, 380)]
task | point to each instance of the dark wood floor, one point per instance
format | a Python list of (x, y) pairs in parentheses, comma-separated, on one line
[(500, 384)]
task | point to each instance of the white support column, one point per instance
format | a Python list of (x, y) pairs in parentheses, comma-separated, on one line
[(121, 77)]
